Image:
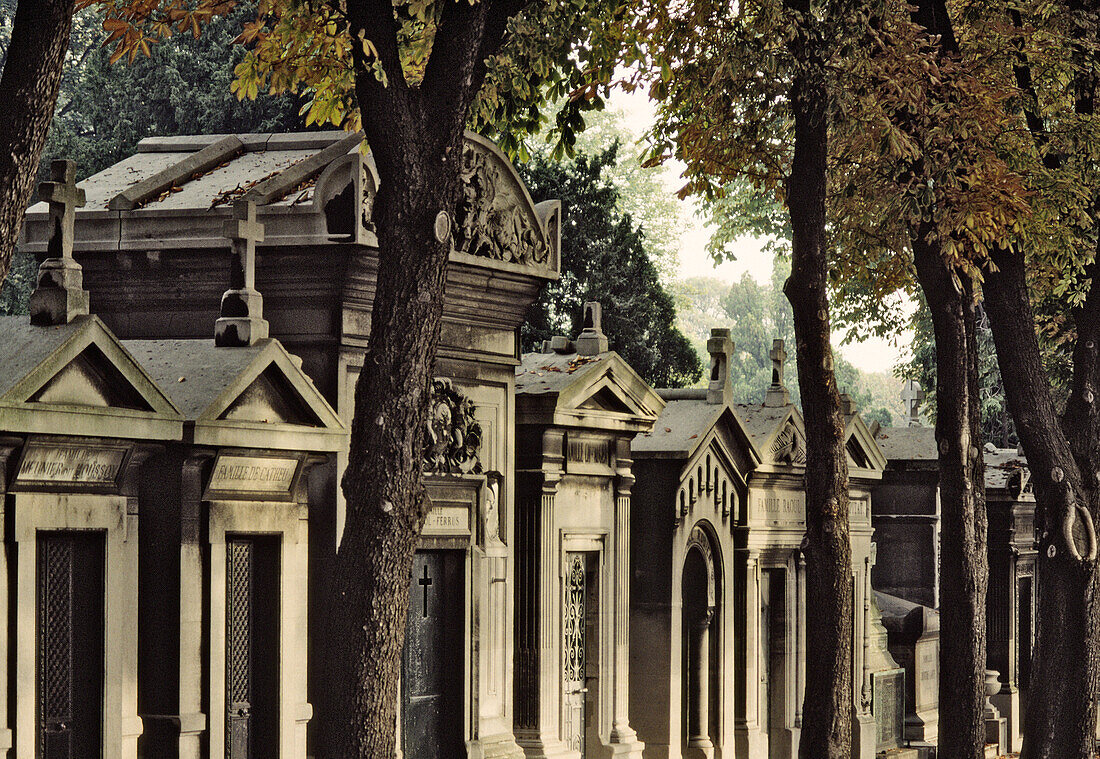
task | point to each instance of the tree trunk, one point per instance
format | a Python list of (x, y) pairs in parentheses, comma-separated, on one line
[(1062, 455), (28, 91), (827, 710), (964, 563), (415, 135)]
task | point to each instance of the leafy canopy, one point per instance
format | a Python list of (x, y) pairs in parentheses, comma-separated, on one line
[(306, 47)]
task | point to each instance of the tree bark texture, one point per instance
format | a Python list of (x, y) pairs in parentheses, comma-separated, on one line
[(28, 94), (828, 706), (1062, 454), (415, 135), (964, 563)]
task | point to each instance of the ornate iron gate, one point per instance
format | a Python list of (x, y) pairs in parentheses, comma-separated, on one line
[(70, 644), (574, 653), (251, 647)]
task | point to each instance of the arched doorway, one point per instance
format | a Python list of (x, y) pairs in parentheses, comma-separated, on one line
[(699, 592)]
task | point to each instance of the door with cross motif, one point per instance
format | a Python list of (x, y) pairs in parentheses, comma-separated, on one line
[(433, 659), (70, 651), (252, 647)]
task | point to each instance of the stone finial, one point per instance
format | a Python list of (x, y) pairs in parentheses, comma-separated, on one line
[(847, 405), (778, 395), (560, 344), (912, 395), (720, 347), (60, 296), (592, 341), (241, 322)]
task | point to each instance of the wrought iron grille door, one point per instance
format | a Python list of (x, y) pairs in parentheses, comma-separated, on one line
[(574, 653), (70, 654), (252, 647)]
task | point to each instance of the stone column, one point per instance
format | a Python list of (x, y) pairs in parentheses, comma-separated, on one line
[(800, 639), (193, 721), (698, 684), (8, 447), (621, 732), (748, 738)]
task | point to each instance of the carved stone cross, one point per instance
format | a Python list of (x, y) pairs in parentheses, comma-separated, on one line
[(64, 198), (778, 356), (245, 232), (60, 296), (241, 321), (777, 394), (913, 395)]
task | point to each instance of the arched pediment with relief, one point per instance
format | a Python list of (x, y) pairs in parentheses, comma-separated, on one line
[(496, 217)]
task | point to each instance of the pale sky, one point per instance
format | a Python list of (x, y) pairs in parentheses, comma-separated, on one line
[(874, 355)]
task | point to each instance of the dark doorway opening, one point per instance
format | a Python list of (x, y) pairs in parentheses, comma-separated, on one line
[(70, 650), (433, 659), (252, 646)]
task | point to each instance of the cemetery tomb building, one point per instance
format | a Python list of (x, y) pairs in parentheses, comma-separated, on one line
[(152, 243), (229, 509), (907, 532), (1010, 599), (691, 472), (913, 638), (772, 626), (578, 407), (906, 514), (79, 420)]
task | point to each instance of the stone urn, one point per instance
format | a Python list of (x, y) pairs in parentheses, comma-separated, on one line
[(992, 686)]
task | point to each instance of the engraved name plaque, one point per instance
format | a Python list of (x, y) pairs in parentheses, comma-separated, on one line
[(70, 464), (588, 455), (778, 506), (236, 475), (447, 520)]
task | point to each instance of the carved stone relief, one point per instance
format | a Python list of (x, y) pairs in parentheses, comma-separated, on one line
[(492, 218), (452, 436)]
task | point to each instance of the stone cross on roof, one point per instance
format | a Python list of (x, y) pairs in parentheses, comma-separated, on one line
[(720, 347), (777, 394), (592, 341), (241, 321), (60, 296), (913, 395)]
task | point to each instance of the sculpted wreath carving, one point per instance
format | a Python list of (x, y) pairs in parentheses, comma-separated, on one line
[(452, 437), (489, 220)]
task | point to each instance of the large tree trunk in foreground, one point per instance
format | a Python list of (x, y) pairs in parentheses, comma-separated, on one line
[(1063, 458), (416, 137), (28, 94), (964, 563), (827, 710)]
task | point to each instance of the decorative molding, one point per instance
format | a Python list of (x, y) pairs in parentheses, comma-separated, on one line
[(452, 436)]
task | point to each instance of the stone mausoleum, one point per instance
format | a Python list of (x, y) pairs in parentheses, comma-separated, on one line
[(607, 569)]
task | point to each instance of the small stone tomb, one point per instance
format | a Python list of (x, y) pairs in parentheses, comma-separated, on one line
[(577, 407), (914, 642), (692, 485)]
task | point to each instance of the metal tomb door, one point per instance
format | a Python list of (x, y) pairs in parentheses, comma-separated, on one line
[(433, 660), (574, 653), (252, 647), (70, 648)]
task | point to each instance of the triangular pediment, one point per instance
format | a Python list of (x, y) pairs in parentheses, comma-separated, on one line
[(91, 379), (271, 398), (611, 387), (862, 449), (607, 399), (788, 446)]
